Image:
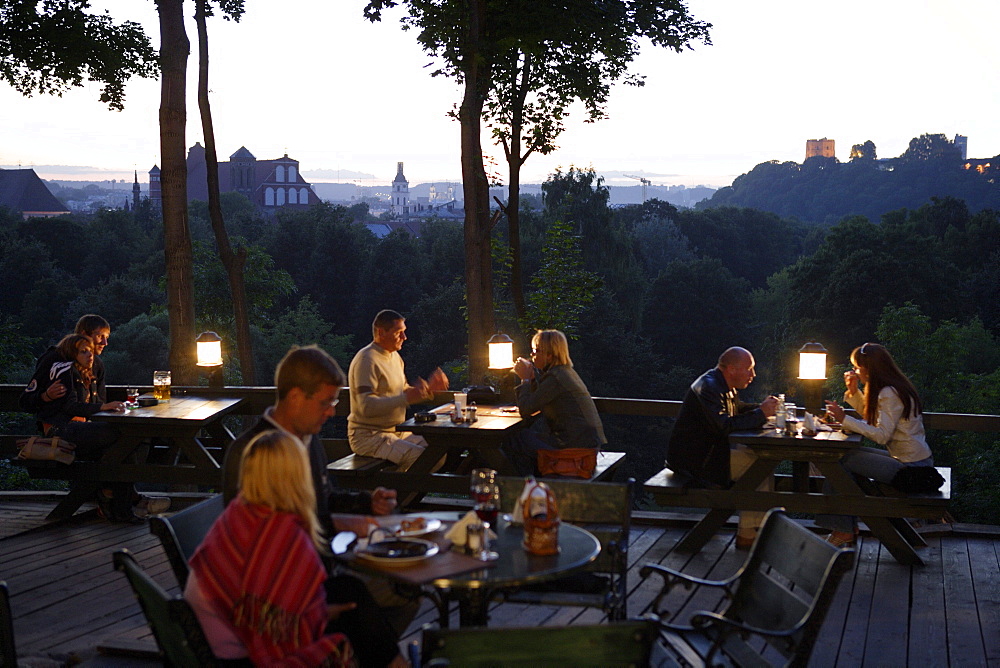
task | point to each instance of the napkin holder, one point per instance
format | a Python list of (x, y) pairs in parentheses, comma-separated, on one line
[(458, 532), (541, 520), (808, 424)]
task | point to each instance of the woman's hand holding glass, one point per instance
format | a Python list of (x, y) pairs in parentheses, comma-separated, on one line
[(524, 369), (851, 380)]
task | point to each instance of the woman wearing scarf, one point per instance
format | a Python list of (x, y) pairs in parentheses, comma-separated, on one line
[(256, 581)]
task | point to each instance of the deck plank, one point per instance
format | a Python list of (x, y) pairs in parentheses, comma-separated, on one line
[(67, 599), (928, 643), (986, 581), (885, 638), (965, 648)]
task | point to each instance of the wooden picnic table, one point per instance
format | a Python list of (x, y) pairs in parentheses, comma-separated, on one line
[(176, 424), (482, 438), (885, 516)]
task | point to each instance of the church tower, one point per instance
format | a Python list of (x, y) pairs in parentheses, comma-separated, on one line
[(155, 196), (400, 194), (135, 192)]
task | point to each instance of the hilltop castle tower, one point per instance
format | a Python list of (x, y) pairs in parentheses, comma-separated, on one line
[(820, 147)]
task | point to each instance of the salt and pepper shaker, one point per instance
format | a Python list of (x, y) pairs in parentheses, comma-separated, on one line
[(475, 538)]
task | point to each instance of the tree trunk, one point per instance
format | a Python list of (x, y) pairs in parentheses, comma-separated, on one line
[(233, 262), (174, 49), (514, 162), (478, 260)]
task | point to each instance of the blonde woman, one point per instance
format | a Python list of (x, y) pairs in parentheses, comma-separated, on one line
[(256, 581), (551, 386)]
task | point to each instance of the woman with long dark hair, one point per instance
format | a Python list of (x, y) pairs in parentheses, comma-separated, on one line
[(891, 416), (67, 416)]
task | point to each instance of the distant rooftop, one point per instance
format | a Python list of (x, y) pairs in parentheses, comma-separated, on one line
[(22, 190)]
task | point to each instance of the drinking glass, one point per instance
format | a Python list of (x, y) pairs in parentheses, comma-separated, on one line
[(479, 477), (161, 385), (131, 397), (487, 496)]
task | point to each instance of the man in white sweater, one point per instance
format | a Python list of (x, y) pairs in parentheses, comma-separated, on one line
[(380, 395)]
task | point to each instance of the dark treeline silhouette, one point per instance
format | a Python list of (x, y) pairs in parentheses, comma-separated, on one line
[(651, 296)]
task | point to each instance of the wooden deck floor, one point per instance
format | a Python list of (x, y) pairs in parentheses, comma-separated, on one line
[(67, 599)]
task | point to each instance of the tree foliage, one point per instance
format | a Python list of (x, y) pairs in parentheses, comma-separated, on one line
[(562, 288), (52, 46)]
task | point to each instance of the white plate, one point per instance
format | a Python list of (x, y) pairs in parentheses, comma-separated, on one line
[(430, 524), (399, 551)]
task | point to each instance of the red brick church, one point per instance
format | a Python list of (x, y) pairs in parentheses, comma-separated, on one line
[(269, 184)]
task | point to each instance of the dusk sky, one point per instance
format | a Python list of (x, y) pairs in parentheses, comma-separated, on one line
[(343, 96)]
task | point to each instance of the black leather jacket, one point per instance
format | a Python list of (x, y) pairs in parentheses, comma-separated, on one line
[(699, 445)]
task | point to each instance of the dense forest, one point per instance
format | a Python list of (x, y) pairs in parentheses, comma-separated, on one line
[(825, 190), (649, 294)]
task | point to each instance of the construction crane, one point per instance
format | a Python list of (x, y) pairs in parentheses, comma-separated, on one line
[(645, 182)]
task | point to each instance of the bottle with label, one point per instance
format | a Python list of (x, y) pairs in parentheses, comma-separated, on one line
[(780, 415)]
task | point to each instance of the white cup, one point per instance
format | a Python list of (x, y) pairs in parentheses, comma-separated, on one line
[(460, 400)]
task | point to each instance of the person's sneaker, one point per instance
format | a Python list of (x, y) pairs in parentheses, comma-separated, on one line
[(116, 512), (151, 505)]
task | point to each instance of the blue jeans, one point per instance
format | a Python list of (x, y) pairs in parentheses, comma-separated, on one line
[(864, 463)]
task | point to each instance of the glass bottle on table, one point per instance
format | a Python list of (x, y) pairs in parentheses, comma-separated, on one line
[(780, 414)]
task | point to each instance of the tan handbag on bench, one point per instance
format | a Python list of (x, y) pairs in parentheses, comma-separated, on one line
[(46, 449)]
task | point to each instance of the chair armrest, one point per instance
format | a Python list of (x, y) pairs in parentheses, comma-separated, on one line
[(672, 578), (705, 619)]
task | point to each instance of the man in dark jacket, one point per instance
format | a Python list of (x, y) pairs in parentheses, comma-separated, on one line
[(699, 445)]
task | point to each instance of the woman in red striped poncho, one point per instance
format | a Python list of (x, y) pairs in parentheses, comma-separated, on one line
[(256, 582)]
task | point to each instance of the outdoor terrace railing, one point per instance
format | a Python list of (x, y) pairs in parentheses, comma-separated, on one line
[(258, 398)]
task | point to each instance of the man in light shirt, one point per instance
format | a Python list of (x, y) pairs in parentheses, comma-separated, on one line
[(380, 395)]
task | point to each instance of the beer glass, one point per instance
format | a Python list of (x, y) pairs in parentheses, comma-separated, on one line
[(161, 385)]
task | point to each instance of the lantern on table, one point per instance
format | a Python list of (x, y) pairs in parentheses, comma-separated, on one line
[(210, 357), (812, 373)]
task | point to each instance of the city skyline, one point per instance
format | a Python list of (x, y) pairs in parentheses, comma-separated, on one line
[(340, 94)]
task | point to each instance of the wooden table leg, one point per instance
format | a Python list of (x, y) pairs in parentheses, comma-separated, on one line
[(80, 493), (883, 529), (710, 524)]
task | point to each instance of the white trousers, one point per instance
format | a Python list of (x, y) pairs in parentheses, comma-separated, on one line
[(400, 447)]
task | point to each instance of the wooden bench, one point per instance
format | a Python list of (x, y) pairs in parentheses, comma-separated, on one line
[(773, 606), (672, 489), (359, 472)]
